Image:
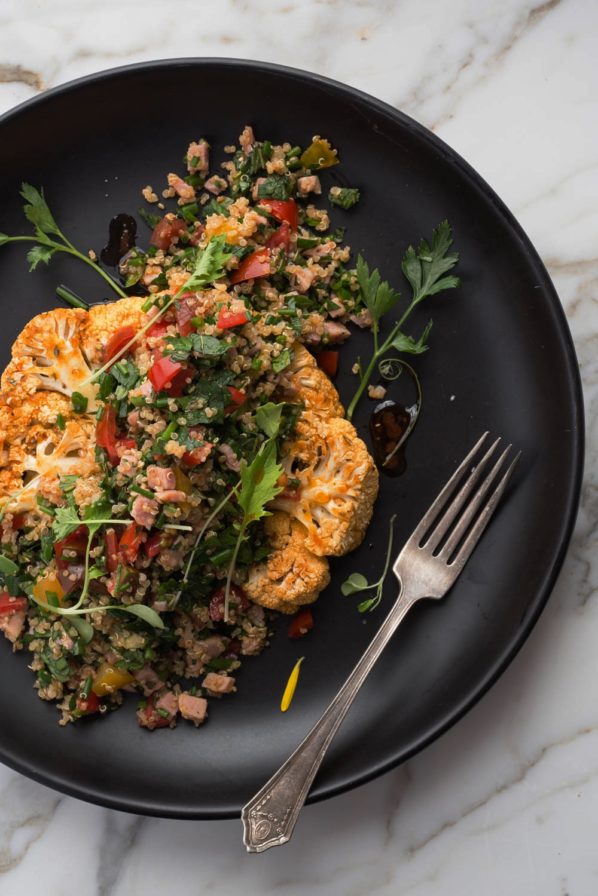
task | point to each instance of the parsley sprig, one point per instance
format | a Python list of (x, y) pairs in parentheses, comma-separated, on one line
[(48, 237), (357, 582), (258, 486), (425, 269)]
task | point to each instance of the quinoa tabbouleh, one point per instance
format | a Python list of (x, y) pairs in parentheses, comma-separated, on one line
[(175, 465)]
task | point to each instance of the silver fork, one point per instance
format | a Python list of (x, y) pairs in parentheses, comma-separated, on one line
[(427, 567)]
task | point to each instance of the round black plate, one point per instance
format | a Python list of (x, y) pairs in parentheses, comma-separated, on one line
[(501, 359)]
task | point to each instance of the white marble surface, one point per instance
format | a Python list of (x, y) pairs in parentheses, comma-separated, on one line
[(507, 802)]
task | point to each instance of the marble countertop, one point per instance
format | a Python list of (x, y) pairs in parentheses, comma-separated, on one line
[(507, 801)]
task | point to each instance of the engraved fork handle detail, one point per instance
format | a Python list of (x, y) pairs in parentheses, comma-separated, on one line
[(269, 818)]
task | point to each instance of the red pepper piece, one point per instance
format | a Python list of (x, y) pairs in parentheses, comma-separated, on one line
[(301, 624)]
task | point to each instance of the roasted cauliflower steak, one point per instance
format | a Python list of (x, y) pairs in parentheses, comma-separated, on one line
[(329, 512), (292, 575)]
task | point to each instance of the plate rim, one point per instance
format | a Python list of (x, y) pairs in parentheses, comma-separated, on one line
[(573, 377)]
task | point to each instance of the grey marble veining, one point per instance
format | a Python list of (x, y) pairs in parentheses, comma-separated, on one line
[(507, 801)]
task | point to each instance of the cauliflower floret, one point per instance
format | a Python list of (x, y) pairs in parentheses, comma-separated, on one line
[(338, 483), (304, 381), (292, 575), (48, 356), (104, 320), (37, 452)]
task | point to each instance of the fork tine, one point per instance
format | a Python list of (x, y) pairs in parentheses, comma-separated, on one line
[(453, 508), (483, 519), (428, 518), (472, 508)]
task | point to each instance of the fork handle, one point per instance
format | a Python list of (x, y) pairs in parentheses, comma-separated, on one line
[(269, 818)]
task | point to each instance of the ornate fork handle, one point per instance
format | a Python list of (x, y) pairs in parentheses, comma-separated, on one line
[(269, 818)]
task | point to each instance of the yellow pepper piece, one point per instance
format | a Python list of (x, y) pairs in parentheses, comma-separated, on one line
[(319, 154), (183, 483), (289, 691), (109, 679), (49, 583)]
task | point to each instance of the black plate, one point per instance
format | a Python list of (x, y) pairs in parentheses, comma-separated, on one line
[(501, 359)]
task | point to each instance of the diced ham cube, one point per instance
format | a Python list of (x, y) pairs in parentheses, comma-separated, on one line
[(12, 625), (171, 496), (159, 711), (335, 332), (217, 684), (159, 478), (247, 139), (303, 278), (309, 184), (144, 511), (215, 184), (193, 708), (232, 461), (148, 679), (198, 157)]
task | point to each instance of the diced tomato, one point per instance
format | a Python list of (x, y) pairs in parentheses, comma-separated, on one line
[(255, 265), (185, 311), (106, 434), (10, 605), (301, 624), (281, 238), (18, 521), (155, 543), (238, 398), (151, 718), (328, 361), (165, 231), (89, 704), (74, 545), (237, 598), (169, 376), (111, 548), (117, 342), (283, 210), (123, 443), (130, 542), (196, 456), (228, 319), (157, 329)]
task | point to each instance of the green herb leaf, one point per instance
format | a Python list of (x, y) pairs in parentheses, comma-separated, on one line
[(180, 347), (83, 627), (142, 612), (282, 361), (358, 582), (268, 417), (7, 566), (79, 402), (209, 265), (38, 255), (148, 218), (378, 296), (65, 521), (345, 197), (258, 483), (37, 211), (277, 186), (355, 583), (425, 268), (404, 343)]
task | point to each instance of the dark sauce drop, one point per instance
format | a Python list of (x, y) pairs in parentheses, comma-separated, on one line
[(388, 424), (121, 239)]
